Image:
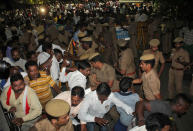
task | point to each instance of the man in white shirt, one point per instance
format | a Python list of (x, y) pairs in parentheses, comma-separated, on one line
[(74, 99), (78, 77), (96, 104), (17, 60)]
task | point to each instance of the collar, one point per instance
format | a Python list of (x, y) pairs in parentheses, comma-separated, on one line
[(125, 93)]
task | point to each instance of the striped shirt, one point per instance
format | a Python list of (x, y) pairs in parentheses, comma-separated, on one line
[(42, 87)]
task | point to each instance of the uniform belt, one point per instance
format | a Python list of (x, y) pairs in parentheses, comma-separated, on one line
[(180, 69), (130, 74)]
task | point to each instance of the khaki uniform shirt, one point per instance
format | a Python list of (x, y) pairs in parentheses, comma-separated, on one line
[(106, 74), (91, 50), (182, 55), (151, 84), (159, 58), (45, 125), (126, 62), (33, 102)]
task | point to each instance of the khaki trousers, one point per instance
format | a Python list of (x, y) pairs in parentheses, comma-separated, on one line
[(175, 82)]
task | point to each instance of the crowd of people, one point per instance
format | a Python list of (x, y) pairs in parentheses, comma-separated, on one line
[(74, 67)]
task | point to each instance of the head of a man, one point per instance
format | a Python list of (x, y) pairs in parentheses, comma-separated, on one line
[(47, 47), (58, 112), (15, 54), (84, 67), (103, 91), (32, 55), (77, 95), (147, 62), (17, 83), (154, 43), (96, 61), (181, 104), (147, 65), (158, 122), (178, 42), (4, 70), (125, 84), (58, 55), (32, 70)]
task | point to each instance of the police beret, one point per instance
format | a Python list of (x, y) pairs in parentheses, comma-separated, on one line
[(84, 57), (81, 34), (122, 43), (147, 57), (178, 40), (154, 42), (86, 39), (93, 55), (57, 108)]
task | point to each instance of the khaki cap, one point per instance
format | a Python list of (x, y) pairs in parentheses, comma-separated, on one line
[(93, 55), (41, 37), (122, 43), (13, 28), (60, 28), (105, 24), (57, 108), (147, 57), (178, 40), (154, 42), (81, 34), (84, 57), (86, 39)]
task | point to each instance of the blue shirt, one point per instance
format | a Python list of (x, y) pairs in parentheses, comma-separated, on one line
[(130, 99)]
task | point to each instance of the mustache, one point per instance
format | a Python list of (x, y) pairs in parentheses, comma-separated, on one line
[(19, 90)]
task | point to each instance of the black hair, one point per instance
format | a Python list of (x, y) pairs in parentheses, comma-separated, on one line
[(14, 49), (103, 89), (157, 121), (51, 117), (16, 77), (151, 62), (78, 91), (57, 51), (97, 58), (4, 70), (182, 97), (125, 84), (46, 46), (82, 65), (29, 54), (30, 63)]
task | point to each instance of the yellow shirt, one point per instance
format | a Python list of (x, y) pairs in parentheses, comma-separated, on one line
[(42, 87), (32, 99)]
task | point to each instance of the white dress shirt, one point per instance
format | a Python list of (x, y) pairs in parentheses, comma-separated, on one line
[(92, 107), (76, 78), (66, 96)]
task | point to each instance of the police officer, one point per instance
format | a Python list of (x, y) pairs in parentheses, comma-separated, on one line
[(159, 58), (180, 58)]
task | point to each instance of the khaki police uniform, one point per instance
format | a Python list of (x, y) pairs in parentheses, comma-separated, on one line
[(176, 71), (55, 108), (126, 61), (151, 82), (105, 74), (159, 58)]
